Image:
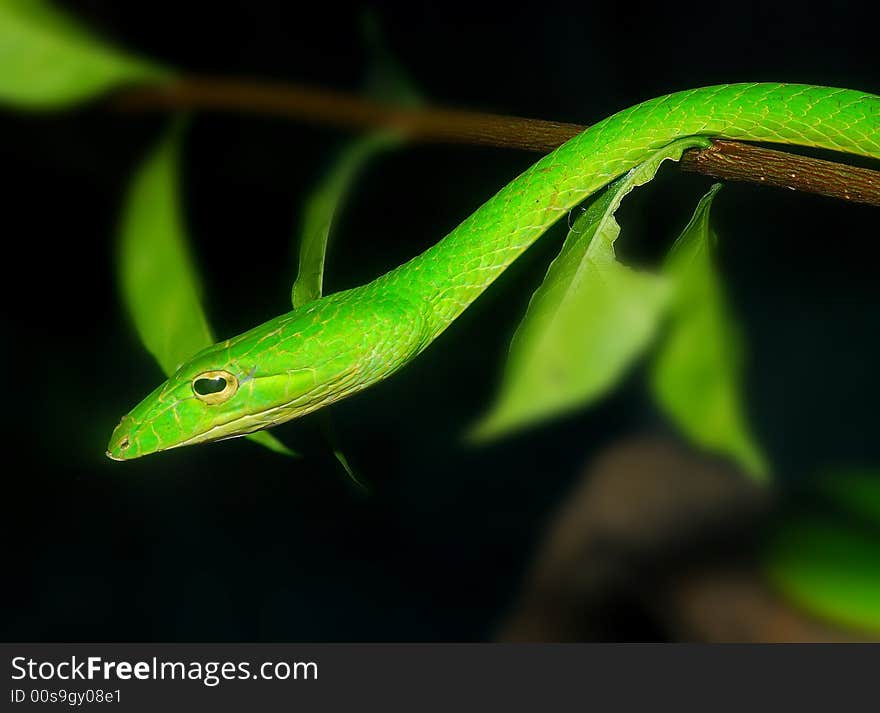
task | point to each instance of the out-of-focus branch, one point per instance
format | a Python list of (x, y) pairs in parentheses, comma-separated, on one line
[(348, 111), (729, 603), (727, 160), (655, 527)]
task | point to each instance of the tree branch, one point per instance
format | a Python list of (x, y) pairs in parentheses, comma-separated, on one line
[(727, 160), (733, 161)]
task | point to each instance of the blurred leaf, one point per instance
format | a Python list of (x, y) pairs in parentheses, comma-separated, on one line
[(697, 373), (827, 561), (855, 490), (827, 567), (386, 81), (160, 285), (48, 60), (159, 281), (267, 440), (329, 430), (321, 207), (588, 321)]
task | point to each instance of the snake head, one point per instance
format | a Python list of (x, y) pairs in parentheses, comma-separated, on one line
[(285, 368), (199, 405), (231, 389)]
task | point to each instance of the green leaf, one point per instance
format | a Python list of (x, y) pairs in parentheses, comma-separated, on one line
[(587, 322), (855, 490), (267, 440), (697, 372), (160, 284), (825, 559), (47, 60), (159, 281), (321, 207), (329, 430), (827, 567), (387, 82)]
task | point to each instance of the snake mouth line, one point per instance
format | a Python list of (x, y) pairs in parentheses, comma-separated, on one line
[(123, 445), (301, 406), (261, 420), (287, 411), (200, 438)]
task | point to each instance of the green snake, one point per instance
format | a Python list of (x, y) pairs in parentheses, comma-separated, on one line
[(345, 342)]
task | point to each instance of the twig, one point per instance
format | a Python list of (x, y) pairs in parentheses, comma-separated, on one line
[(726, 160), (732, 161)]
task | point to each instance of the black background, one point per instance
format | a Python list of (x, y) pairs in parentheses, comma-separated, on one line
[(228, 542)]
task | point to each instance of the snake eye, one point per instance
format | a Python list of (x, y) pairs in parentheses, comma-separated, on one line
[(206, 387), (214, 387)]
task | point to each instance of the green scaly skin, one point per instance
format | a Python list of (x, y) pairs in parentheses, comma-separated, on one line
[(343, 343)]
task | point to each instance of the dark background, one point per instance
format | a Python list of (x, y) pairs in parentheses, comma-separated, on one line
[(230, 542)]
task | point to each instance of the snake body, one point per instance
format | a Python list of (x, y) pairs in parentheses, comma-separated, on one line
[(342, 343)]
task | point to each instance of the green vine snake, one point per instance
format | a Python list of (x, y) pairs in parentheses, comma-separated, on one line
[(342, 343)]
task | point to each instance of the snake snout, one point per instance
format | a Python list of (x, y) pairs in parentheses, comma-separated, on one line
[(120, 441)]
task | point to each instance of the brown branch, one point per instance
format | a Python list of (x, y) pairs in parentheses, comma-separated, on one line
[(727, 160), (732, 161), (347, 111)]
